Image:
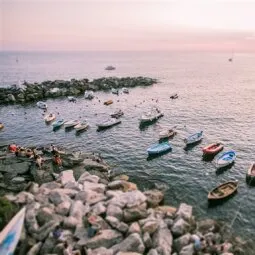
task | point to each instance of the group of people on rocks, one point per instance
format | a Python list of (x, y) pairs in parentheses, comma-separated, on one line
[(32, 153)]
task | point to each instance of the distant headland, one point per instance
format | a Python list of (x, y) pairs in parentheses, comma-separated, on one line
[(29, 92)]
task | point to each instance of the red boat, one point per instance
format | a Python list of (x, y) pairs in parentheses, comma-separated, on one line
[(213, 148)]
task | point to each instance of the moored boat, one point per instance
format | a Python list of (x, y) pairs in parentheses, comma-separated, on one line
[(117, 114), (167, 133), (89, 94), (125, 90), (212, 149), (223, 190), (42, 105), (225, 159), (109, 68), (151, 115), (250, 176), (194, 138), (72, 99), (159, 148), (58, 123), (81, 126), (71, 123), (1, 125), (108, 102), (174, 96), (49, 117), (108, 123), (115, 91)]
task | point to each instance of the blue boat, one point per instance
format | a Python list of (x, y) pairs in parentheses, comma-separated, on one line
[(57, 123), (158, 148), (225, 159), (194, 138)]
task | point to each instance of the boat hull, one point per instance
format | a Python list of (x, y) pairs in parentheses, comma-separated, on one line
[(157, 149), (223, 191), (193, 139), (250, 175), (101, 126), (212, 149), (226, 159)]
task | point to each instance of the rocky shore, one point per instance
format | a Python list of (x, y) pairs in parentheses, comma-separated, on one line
[(80, 209), (30, 92)]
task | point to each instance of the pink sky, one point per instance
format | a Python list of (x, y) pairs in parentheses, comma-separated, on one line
[(127, 25)]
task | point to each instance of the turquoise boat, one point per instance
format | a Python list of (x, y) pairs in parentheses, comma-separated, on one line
[(57, 123), (225, 159), (159, 148)]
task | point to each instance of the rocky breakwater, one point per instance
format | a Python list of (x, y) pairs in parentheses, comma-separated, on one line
[(30, 92), (96, 216)]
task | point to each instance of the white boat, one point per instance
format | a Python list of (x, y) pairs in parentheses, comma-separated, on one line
[(108, 123), (10, 235), (225, 159), (109, 68), (125, 90), (150, 116), (194, 138), (72, 99), (115, 91), (81, 126), (167, 133), (89, 94), (50, 117), (41, 105), (71, 123)]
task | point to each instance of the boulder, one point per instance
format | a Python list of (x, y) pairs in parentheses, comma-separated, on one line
[(134, 228), (184, 211), (98, 208), (147, 240), (100, 251), (182, 241), (154, 197), (187, 250), (58, 196), (63, 208), (86, 176), (180, 227), (90, 186), (66, 176), (90, 197), (134, 213)]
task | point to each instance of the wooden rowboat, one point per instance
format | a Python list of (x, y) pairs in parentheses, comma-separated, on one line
[(250, 176), (223, 190), (108, 102)]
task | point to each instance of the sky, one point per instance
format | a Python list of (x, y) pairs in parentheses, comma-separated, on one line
[(216, 25)]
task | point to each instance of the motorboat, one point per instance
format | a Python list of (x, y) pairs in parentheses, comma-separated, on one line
[(109, 68), (159, 148), (42, 105), (71, 123), (150, 116), (108, 123), (1, 125), (212, 149), (108, 102), (250, 176), (194, 138), (222, 191), (49, 117), (167, 133), (81, 126), (115, 91), (72, 99), (58, 123), (89, 94), (225, 159), (174, 96), (117, 114), (125, 90)]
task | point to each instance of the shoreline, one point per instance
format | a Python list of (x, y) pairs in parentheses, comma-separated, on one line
[(129, 220), (30, 92)]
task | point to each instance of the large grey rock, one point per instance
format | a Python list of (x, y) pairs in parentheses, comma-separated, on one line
[(89, 164), (162, 239), (35, 249), (133, 243), (66, 176), (18, 180), (100, 251), (135, 213), (150, 226), (187, 250), (147, 240), (134, 228), (58, 196), (182, 241), (90, 197), (106, 238), (48, 246), (86, 176), (152, 252), (15, 168), (63, 208), (90, 186), (98, 208), (122, 227), (115, 211), (45, 214), (184, 211), (24, 198), (128, 199), (154, 197), (180, 227)]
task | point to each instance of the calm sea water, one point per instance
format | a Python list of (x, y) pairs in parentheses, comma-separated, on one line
[(215, 96)]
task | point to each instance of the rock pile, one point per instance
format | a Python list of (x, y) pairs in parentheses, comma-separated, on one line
[(30, 92), (60, 216)]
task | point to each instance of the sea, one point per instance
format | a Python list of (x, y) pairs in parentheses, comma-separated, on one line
[(215, 95)]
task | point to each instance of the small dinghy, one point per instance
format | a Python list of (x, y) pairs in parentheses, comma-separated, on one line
[(115, 91), (71, 123), (1, 125), (194, 138), (159, 148), (89, 94), (250, 176), (58, 123), (212, 149), (174, 96), (81, 126), (125, 90), (109, 68), (72, 99), (108, 102), (168, 133), (108, 123), (117, 114), (225, 159), (49, 117), (42, 105), (223, 190), (151, 116)]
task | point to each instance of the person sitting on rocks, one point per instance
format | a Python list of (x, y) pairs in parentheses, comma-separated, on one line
[(53, 149), (38, 161), (57, 160), (12, 147), (57, 232)]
